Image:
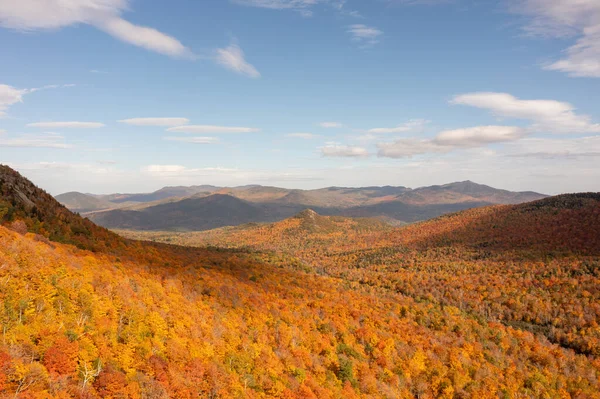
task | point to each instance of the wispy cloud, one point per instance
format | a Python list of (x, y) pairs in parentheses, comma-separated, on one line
[(450, 140), (66, 125), (305, 136), (406, 148), (555, 148), (419, 2), (558, 155), (331, 125), (202, 129), (31, 15), (479, 135), (155, 121), (546, 115), (193, 139), (304, 7), (47, 140), (413, 125), (337, 150), (561, 18), (364, 35), (9, 96), (232, 58)]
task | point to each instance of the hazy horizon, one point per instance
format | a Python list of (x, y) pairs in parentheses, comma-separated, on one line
[(280, 187)]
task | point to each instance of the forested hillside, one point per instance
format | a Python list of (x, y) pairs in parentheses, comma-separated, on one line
[(142, 320), (534, 266)]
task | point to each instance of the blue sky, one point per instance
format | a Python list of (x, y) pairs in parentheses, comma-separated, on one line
[(127, 96)]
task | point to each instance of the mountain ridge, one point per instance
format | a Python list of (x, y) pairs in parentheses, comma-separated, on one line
[(398, 204)]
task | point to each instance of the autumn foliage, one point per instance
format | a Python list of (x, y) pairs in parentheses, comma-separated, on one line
[(311, 307)]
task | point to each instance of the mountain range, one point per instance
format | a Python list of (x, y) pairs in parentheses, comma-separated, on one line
[(204, 207)]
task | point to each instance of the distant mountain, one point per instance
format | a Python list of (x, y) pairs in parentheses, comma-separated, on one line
[(210, 207), (163, 193), (466, 191), (81, 203), (188, 214)]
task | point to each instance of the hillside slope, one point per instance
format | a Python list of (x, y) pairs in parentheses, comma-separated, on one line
[(193, 213), (21, 200), (168, 321), (534, 266), (569, 222)]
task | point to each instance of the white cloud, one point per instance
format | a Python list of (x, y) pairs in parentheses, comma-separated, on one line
[(296, 5), (547, 115), (419, 2), (566, 18), (30, 15), (232, 58), (155, 121), (66, 125), (193, 140), (413, 125), (545, 148), (164, 168), (337, 150), (305, 136), (331, 125), (301, 6), (583, 58), (364, 35), (479, 135), (145, 37), (48, 140), (406, 148), (9, 96), (211, 129), (450, 140)]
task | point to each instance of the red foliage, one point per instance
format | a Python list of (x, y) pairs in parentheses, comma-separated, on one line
[(4, 363), (61, 358), (160, 369), (111, 384)]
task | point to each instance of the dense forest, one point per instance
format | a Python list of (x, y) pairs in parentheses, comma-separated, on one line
[(311, 307)]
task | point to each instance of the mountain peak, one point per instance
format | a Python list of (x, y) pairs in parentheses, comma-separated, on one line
[(308, 214)]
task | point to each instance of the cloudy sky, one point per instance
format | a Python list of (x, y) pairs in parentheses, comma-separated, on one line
[(129, 96)]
